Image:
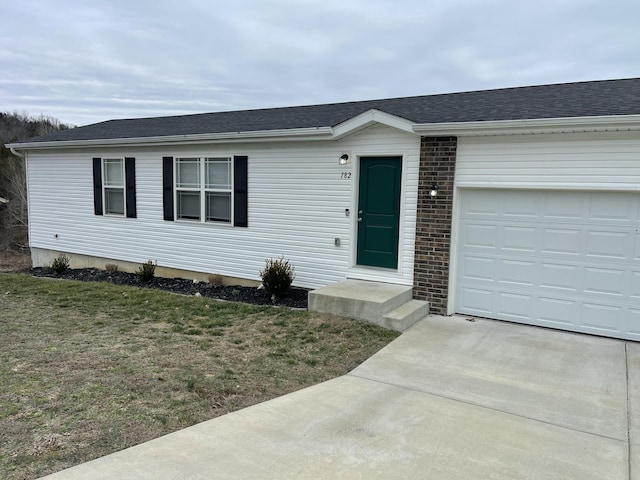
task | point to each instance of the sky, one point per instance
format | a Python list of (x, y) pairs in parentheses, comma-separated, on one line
[(86, 61)]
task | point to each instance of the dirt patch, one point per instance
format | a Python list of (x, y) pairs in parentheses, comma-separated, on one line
[(14, 260)]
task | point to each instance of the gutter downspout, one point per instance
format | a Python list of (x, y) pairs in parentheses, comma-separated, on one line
[(17, 153)]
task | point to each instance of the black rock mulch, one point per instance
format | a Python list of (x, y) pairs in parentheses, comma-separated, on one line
[(297, 297)]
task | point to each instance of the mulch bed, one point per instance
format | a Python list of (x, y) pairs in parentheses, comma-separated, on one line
[(297, 297)]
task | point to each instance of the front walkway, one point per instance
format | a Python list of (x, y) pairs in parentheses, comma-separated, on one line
[(449, 399)]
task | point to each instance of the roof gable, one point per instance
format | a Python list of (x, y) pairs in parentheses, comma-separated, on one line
[(368, 118)]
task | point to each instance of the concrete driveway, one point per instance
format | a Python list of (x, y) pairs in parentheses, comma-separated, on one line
[(449, 399)]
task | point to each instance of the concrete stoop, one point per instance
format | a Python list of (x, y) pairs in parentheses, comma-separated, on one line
[(384, 304)]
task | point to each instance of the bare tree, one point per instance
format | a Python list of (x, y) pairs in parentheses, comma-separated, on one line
[(14, 214)]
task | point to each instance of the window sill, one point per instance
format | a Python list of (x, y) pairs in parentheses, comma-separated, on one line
[(186, 221)]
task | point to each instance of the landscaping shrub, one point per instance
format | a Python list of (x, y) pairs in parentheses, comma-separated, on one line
[(278, 276), (146, 272), (215, 280), (111, 267), (60, 264)]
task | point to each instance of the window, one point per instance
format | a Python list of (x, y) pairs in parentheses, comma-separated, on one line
[(113, 175), (204, 189), (114, 186)]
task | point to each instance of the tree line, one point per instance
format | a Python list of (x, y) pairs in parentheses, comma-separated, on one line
[(16, 127)]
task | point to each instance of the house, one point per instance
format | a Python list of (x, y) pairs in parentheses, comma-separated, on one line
[(519, 204)]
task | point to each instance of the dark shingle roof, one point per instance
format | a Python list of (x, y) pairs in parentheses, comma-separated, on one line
[(583, 99)]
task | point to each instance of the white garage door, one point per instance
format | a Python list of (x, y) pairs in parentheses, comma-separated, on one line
[(562, 259)]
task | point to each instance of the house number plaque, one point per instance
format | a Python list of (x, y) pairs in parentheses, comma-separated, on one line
[(345, 175)]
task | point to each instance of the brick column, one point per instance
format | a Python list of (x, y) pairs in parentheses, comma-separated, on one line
[(433, 224)]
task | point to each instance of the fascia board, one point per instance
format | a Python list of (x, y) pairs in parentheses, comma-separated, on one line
[(368, 118), (352, 125), (532, 126), (298, 134)]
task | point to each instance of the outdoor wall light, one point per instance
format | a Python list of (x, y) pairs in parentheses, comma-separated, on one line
[(434, 190), (344, 159)]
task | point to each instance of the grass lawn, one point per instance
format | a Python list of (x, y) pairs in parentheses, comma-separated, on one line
[(87, 369)]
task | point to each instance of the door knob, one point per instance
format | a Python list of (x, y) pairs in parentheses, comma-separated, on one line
[(359, 219)]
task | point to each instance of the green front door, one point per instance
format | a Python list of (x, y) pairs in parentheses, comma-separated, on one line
[(379, 211)]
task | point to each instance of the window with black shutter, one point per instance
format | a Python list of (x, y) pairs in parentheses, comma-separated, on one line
[(114, 186), (205, 189)]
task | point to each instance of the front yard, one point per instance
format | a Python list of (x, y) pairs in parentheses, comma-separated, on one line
[(87, 369)]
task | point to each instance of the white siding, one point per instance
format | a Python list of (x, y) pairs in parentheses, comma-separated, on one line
[(608, 161), (297, 203)]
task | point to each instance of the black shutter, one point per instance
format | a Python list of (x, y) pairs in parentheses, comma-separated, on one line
[(240, 198), (130, 185), (167, 187), (97, 186)]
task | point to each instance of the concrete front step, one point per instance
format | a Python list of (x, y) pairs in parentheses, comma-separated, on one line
[(406, 315), (383, 304)]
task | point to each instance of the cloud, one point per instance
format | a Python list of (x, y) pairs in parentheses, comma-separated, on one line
[(87, 61)]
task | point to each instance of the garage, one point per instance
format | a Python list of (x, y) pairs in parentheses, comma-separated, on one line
[(565, 259), (546, 231)]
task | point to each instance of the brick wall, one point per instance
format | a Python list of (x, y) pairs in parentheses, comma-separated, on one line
[(433, 228)]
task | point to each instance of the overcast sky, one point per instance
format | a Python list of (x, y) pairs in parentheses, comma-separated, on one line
[(85, 61)]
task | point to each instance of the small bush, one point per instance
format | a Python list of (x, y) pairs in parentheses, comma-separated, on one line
[(278, 276), (215, 280), (111, 267), (60, 264), (146, 272)]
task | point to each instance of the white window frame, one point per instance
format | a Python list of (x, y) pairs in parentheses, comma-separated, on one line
[(108, 186), (202, 188)]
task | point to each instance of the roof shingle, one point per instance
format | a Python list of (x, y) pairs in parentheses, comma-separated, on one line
[(582, 99)]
